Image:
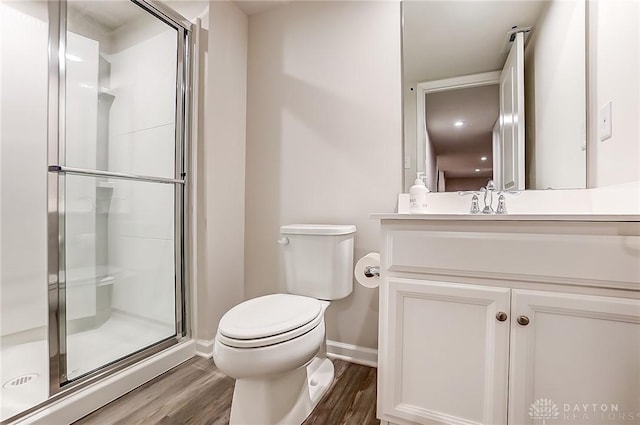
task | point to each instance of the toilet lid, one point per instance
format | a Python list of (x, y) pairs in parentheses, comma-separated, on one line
[(268, 316)]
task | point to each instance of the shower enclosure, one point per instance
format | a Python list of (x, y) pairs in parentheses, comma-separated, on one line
[(93, 117)]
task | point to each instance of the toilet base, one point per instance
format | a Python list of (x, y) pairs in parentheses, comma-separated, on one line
[(286, 399)]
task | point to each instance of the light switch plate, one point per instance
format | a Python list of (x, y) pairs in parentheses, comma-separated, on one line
[(604, 122)]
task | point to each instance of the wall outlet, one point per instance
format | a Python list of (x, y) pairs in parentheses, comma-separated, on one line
[(407, 161), (604, 122)]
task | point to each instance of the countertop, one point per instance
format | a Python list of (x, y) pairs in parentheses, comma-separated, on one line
[(509, 217)]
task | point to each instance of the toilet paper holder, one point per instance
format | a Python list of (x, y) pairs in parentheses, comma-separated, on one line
[(371, 271), (367, 270)]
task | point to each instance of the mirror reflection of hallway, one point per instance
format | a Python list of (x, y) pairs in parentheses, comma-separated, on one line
[(459, 127)]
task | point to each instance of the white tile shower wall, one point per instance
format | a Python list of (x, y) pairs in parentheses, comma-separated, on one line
[(324, 138), (23, 159), (80, 192), (143, 82), (142, 142)]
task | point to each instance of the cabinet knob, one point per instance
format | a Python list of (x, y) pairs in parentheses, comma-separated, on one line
[(501, 316), (523, 320)]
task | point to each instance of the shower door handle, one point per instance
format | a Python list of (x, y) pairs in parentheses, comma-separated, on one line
[(61, 169)]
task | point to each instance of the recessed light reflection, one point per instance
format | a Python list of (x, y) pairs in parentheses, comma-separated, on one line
[(477, 170), (483, 158), (458, 123)]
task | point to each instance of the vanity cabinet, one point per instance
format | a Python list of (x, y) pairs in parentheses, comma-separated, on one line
[(446, 355), (575, 350), (474, 329)]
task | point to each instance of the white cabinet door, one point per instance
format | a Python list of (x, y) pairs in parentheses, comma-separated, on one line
[(577, 361), (444, 355)]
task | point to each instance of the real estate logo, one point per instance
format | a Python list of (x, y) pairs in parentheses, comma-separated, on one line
[(543, 409)]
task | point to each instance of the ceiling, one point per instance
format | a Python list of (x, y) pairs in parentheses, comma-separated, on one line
[(459, 149), (253, 7), (109, 14), (444, 39), (476, 107)]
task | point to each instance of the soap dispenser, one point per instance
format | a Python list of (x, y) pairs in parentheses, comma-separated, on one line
[(418, 195)]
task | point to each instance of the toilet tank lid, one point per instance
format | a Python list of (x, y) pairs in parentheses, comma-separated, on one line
[(318, 229)]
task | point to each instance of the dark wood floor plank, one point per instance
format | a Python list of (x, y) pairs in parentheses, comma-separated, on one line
[(142, 396), (344, 403), (175, 398), (362, 409), (197, 393), (155, 399), (208, 405)]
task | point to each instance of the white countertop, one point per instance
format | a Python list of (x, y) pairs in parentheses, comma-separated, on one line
[(508, 217)]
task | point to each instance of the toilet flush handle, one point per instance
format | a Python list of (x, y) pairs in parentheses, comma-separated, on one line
[(283, 241)]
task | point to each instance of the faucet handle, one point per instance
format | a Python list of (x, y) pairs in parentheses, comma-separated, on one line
[(502, 208), (475, 205)]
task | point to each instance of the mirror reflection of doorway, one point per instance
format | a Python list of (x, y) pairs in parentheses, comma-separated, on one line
[(459, 126), (464, 121)]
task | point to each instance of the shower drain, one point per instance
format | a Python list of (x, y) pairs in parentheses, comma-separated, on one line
[(20, 380)]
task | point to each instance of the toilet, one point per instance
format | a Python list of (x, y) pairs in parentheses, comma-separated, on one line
[(274, 345)]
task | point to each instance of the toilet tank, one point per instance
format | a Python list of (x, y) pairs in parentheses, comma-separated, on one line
[(318, 259)]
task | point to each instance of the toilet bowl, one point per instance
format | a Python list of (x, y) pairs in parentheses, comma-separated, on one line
[(269, 335), (274, 345)]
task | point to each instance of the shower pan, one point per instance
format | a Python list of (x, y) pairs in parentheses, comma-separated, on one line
[(93, 191)]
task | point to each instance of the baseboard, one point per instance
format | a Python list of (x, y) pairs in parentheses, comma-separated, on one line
[(79, 404), (335, 350), (352, 353), (204, 348)]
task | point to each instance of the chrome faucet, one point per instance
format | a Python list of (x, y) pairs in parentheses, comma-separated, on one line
[(488, 192), (502, 207), (488, 197), (475, 205)]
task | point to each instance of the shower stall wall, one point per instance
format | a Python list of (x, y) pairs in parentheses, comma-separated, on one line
[(92, 192)]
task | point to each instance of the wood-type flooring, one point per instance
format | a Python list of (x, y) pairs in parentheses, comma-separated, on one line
[(196, 392)]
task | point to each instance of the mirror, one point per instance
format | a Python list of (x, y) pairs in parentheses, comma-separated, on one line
[(464, 106)]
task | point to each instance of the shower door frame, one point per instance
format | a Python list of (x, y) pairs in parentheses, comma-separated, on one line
[(59, 385)]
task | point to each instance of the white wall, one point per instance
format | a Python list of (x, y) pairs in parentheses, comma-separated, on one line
[(410, 137), (23, 168), (222, 167), (431, 164), (410, 149), (23, 161), (323, 138), (618, 70), (555, 95)]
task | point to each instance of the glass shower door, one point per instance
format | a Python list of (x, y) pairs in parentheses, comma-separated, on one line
[(119, 184), (24, 28)]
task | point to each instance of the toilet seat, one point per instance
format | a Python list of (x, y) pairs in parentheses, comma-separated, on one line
[(269, 320)]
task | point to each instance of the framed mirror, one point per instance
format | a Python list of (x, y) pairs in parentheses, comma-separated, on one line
[(495, 90)]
